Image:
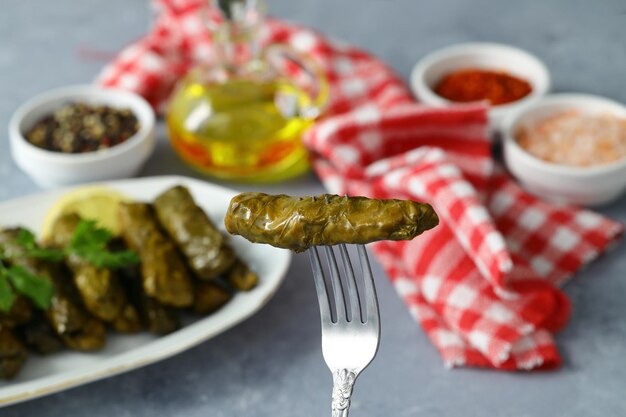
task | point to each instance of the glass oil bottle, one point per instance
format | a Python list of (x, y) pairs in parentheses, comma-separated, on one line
[(243, 117)]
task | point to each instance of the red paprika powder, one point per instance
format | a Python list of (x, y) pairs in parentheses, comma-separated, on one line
[(468, 85)]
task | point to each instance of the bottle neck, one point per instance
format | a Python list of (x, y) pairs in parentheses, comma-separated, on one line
[(236, 46)]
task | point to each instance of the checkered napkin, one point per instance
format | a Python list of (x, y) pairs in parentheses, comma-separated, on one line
[(483, 284)]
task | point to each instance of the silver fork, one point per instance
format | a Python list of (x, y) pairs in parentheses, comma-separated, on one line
[(349, 343)]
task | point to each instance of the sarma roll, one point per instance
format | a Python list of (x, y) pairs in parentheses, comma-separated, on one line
[(158, 319), (99, 288), (163, 271), (298, 223), (209, 297), (205, 247), (128, 321), (12, 353), (241, 277), (21, 312), (155, 317), (76, 328), (39, 335)]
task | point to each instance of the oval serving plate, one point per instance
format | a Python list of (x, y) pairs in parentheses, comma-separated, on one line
[(60, 371)]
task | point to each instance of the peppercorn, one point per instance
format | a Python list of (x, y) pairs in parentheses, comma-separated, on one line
[(80, 127)]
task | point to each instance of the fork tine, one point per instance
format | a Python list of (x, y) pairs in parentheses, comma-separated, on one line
[(340, 301), (371, 301), (355, 302), (320, 285)]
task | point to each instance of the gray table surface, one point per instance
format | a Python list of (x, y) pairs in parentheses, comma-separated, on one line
[(271, 365)]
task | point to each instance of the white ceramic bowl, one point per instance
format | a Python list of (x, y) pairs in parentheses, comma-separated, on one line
[(53, 169), (492, 56), (591, 186)]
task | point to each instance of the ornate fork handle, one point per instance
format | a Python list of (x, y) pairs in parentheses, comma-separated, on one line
[(343, 382)]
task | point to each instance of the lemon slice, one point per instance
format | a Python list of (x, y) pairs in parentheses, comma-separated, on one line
[(93, 202)]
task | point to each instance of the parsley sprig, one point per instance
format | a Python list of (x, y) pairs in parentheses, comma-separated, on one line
[(89, 242), (16, 279), (30, 249)]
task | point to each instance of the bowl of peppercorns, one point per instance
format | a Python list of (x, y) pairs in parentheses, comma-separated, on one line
[(81, 134)]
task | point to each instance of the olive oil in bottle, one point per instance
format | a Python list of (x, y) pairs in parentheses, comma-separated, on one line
[(238, 130), (241, 119)]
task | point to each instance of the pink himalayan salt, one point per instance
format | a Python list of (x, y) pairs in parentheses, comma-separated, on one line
[(575, 139)]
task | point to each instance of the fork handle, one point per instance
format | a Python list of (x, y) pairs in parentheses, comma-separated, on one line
[(343, 382)]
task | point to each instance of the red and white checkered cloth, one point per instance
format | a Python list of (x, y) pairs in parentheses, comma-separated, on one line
[(483, 284)]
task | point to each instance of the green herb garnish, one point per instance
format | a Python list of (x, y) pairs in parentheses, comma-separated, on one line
[(16, 279), (89, 242), (37, 289), (7, 296), (29, 244)]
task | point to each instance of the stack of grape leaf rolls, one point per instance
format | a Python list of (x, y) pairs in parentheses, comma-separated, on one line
[(186, 265), (298, 223)]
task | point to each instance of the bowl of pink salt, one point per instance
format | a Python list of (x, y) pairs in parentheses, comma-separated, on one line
[(569, 148)]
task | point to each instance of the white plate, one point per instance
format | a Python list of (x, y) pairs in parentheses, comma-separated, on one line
[(45, 375)]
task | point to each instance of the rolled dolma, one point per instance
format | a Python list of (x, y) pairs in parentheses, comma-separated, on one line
[(128, 321), (12, 353), (158, 319), (297, 223), (99, 288), (205, 247), (21, 312), (39, 335), (155, 317), (163, 271), (241, 277), (76, 328), (209, 297)]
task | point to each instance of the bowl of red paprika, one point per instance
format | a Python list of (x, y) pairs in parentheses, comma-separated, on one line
[(503, 76)]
